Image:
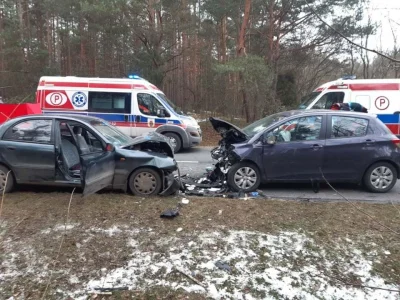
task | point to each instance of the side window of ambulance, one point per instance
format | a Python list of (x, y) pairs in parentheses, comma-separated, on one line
[(110, 102), (327, 100), (148, 104)]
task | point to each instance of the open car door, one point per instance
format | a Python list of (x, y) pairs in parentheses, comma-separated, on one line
[(97, 170)]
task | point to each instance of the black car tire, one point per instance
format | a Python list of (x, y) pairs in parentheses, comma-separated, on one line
[(244, 169), (145, 182), (383, 169), (175, 140), (10, 180)]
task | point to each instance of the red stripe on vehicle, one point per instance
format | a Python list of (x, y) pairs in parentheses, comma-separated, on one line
[(110, 85), (140, 86), (64, 84), (395, 128), (338, 87), (319, 89), (374, 86)]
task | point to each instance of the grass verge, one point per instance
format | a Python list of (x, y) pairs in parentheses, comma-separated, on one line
[(121, 240)]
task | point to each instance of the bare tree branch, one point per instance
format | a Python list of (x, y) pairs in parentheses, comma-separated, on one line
[(350, 41)]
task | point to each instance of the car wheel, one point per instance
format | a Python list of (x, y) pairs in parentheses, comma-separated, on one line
[(380, 177), (244, 176), (175, 141), (145, 182), (3, 179)]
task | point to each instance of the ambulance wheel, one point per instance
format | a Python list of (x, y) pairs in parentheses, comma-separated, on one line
[(175, 141)]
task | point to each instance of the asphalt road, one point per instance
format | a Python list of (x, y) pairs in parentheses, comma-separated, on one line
[(194, 162)]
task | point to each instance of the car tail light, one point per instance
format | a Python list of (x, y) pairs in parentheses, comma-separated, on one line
[(396, 142)]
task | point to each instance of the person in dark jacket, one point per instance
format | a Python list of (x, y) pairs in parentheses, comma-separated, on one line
[(350, 106)]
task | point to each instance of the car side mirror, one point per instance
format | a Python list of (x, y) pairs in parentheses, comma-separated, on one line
[(161, 112), (110, 147), (271, 140)]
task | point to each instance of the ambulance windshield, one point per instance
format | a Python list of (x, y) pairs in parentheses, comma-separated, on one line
[(307, 100), (171, 104)]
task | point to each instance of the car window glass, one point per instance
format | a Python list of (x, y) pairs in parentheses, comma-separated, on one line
[(110, 102), (300, 129), (327, 100), (37, 131), (148, 104), (83, 138), (348, 127)]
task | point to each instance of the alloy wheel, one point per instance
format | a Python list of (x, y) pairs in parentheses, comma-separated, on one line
[(245, 178), (381, 177)]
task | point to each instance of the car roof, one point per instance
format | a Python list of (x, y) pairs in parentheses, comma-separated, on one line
[(299, 112), (72, 117)]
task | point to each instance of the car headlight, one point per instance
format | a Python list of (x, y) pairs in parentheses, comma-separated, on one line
[(190, 122)]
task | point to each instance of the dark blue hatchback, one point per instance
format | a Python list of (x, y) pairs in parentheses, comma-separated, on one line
[(301, 146)]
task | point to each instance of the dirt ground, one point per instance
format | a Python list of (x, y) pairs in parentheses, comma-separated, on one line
[(43, 253)]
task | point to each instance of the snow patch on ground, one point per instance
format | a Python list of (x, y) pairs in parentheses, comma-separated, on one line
[(287, 265), (60, 227)]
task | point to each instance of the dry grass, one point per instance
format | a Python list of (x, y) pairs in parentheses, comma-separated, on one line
[(28, 216)]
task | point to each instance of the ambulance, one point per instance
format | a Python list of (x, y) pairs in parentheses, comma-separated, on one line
[(378, 96), (132, 104)]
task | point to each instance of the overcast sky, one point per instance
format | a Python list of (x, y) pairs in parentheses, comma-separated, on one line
[(386, 13)]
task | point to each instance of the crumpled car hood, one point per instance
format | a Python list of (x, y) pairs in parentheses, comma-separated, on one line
[(152, 141), (229, 132)]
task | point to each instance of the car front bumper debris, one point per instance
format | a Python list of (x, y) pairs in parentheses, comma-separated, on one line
[(171, 185)]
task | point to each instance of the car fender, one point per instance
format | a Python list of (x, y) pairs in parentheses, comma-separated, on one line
[(128, 161), (176, 129)]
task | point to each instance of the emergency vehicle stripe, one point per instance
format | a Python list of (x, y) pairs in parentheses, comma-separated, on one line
[(93, 85), (374, 86), (64, 84), (110, 85), (121, 118), (395, 128), (388, 119)]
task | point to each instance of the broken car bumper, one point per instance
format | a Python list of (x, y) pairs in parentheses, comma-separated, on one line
[(171, 185)]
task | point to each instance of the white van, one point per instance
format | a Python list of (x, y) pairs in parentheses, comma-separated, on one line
[(379, 96), (134, 105)]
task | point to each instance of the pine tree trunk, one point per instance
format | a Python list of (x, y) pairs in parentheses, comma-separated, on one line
[(241, 51)]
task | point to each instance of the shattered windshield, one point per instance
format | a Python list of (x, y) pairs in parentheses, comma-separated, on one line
[(171, 104), (307, 100), (254, 128), (113, 134)]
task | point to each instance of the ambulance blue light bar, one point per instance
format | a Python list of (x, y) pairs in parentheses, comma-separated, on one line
[(349, 77), (133, 76)]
